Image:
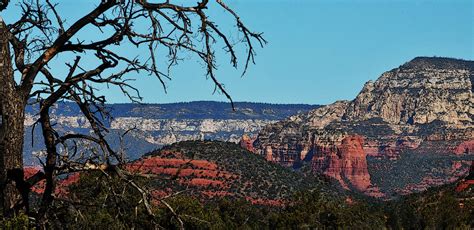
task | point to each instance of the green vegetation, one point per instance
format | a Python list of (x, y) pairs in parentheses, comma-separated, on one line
[(437, 208), (263, 179), (313, 210), (107, 202), (412, 168), (18, 222)]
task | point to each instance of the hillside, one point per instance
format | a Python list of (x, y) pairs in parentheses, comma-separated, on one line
[(211, 184), (436, 208), (213, 169)]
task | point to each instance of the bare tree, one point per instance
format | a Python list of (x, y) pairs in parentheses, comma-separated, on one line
[(28, 45)]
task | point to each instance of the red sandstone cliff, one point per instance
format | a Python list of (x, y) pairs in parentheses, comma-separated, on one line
[(346, 162)]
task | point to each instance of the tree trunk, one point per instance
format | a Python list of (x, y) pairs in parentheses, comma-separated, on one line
[(49, 139), (12, 105)]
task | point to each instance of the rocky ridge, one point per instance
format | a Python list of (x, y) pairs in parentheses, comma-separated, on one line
[(155, 125), (424, 107), (208, 170), (213, 169)]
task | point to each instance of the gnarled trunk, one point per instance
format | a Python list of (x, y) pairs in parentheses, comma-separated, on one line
[(12, 105), (11, 158)]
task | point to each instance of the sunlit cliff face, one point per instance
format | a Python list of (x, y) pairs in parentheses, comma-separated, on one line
[(424, 108)]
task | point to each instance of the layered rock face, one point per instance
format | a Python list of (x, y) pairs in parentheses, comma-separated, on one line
[(344, 160), (422, 111), (419, 92), (155, 125)]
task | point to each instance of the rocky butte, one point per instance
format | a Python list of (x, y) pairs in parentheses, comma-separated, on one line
[(410, 129)]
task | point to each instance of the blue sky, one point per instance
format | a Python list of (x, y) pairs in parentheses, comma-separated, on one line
[(319, 51)]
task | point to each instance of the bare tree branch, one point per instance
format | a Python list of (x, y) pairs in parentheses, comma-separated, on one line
[(42, 34)]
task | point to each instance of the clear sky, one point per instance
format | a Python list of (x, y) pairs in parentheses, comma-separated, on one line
[(319, 51)]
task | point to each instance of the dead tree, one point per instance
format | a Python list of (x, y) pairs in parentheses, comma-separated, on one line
[(28, 45)]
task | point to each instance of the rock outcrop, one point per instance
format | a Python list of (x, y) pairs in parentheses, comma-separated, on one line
[(423, 108), (346, 161), (419, 92), (467, 182), (246, 142), (212, 169)]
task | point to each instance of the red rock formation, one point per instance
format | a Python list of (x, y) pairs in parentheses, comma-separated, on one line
[(206, 177), (354, 163), (246, 142), (345, 162), (468, 181), (464, 185), (466, 147), (392, 148), (192, 172), (61, 189)]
